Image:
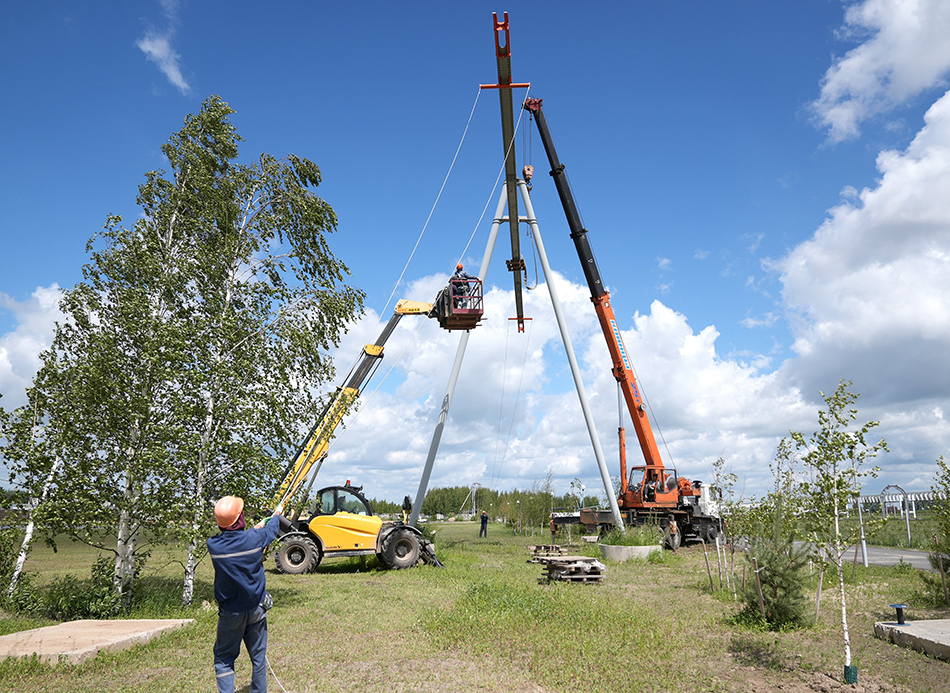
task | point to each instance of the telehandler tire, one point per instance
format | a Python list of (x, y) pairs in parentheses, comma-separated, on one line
[(297, 555), (401, 550)]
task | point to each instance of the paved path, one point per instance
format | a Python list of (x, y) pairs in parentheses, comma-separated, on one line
[(878, 555), (77, 641)]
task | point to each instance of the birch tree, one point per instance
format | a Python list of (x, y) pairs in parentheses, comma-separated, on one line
[(26, 434), (190, 352), (104, 393), (836, 454), (267, 302)]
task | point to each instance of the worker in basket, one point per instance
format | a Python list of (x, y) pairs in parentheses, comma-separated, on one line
[(457, 290), (461, 288)]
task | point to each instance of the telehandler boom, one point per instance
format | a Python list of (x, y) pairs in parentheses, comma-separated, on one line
[(342, 522), (317, 442)]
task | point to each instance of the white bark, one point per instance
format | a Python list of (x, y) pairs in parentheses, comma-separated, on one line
[(844, 615), (28, 537), (207, 436), (191, 562), (126, 539), (188, 589), (838, 555), (125, 545)]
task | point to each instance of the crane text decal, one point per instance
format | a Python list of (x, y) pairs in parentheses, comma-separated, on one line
[(623, 352), (623, 355)]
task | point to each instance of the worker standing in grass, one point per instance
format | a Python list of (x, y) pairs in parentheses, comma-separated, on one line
[(483, 532), (241, 590)]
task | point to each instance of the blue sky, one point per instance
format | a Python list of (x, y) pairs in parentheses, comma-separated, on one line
[(764, 195)]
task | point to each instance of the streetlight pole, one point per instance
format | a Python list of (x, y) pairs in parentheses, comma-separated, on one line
[(864, 543)]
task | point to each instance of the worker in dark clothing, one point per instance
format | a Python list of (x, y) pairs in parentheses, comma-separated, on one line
[(461, 287), (483, 532), (240, 589)]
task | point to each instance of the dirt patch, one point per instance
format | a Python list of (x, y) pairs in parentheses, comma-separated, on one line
[(434, 675), (753, 679)]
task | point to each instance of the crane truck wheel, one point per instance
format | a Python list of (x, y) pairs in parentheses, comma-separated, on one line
[(401, 550), (297, 555)]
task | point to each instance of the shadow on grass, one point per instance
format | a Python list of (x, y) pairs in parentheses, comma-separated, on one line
[(160, 597), (752, 651), (289, 596), (342, 566)]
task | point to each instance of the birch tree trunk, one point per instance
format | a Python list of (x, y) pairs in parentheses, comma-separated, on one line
[(28, 537), (844, 616), (191, 562), (188, 589), (839, 554), (208, 436), (125, 546)]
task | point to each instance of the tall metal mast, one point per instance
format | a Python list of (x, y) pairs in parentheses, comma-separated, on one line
[(504, 87)]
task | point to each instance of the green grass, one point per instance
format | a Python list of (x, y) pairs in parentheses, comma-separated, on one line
[(894, 532), (485, 623)]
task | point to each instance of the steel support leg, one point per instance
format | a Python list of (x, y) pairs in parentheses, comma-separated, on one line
[(454, 375), (569, 349)]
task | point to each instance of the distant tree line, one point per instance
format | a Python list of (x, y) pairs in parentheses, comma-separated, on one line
[(531, 508)]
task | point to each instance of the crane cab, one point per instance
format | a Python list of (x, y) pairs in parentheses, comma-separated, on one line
[(460, 305), (652, 487)]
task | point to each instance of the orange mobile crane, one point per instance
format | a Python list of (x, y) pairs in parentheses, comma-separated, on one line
[(652, 493)]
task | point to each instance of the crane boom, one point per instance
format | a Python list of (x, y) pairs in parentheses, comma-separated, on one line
[(600, 297), (657, 495)]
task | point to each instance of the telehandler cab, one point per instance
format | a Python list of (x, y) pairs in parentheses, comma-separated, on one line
[(342, 524)]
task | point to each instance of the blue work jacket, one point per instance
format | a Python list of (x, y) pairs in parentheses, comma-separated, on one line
[(239, 580)]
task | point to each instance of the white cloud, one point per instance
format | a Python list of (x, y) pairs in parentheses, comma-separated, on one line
[(766, 320), (707, 405), (157, 47), (869, 290), (907, 52), (20, 349), (867, 297), (756, 241)]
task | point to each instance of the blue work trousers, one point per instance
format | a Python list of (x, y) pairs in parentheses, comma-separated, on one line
[(251, 628)]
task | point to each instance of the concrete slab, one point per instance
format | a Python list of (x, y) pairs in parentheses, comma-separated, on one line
[(931, 637), (77, 641)]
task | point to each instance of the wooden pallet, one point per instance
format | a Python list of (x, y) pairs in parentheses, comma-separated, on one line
[(572, 569), (545, 551)]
